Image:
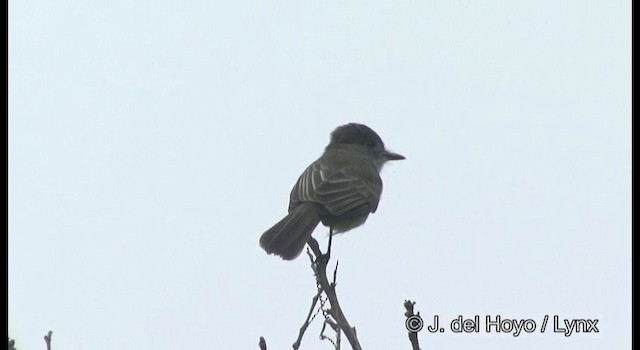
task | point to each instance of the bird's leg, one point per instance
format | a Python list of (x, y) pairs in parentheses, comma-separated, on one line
[(327, 255)]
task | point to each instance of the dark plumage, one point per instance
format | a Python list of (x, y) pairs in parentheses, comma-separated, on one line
[(340, 189)]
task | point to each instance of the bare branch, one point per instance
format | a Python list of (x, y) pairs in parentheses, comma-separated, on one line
[(320, 269), (307, 322), (262, 344), (413, 336), (47, 339)]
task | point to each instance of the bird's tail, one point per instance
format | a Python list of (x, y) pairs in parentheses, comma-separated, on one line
[(288, 237)]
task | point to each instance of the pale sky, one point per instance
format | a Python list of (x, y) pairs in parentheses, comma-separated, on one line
[(151, 143)]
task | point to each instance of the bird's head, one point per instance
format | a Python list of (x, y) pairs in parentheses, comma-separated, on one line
[(362, 135)]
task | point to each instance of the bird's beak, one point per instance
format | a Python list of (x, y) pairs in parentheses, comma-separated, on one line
[(392, 156)]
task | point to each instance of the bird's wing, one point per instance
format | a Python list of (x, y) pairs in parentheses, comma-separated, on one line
[(342, 191)]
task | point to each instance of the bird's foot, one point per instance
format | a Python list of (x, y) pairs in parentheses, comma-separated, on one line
[(325, 257)]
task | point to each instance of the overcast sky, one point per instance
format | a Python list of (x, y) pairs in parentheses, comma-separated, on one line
[(151, 143)]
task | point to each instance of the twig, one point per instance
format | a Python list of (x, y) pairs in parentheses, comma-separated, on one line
[(307, 322), (262, 344), (320, 269), (334, 326), (411, 317), (47, 339)]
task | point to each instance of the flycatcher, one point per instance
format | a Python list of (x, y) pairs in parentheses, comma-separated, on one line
[(340, 189)]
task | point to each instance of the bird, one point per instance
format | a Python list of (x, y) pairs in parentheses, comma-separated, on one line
[(339, 189)]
